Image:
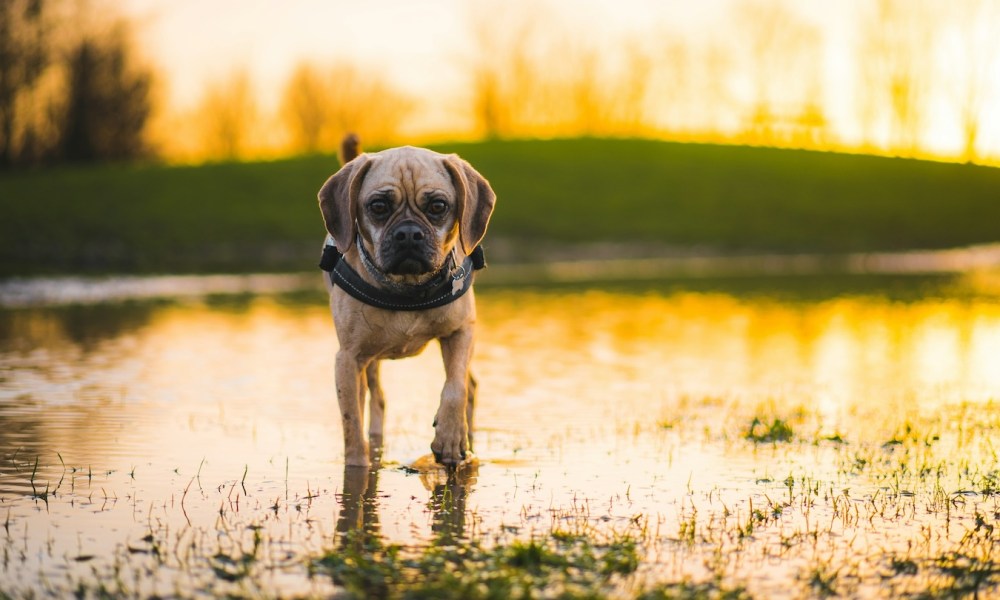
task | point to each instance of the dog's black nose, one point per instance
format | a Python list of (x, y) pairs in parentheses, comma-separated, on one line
[(408, 232)]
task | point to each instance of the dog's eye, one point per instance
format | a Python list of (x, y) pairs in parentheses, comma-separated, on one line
[(379, 208), (437, 207)]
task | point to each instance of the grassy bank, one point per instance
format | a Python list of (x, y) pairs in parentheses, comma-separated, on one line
[(263, 216)]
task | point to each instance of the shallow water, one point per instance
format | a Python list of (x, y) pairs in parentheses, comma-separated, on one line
[(138, 438)]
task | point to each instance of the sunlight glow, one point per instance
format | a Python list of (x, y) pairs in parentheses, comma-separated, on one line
[(761, 72), (210, 428)]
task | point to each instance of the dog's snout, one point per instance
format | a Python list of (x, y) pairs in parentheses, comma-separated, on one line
[(408, 232), (408, 249)]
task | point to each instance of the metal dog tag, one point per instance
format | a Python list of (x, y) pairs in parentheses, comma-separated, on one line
[(458, 281)]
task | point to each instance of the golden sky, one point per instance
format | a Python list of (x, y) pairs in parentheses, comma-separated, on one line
[(425, 48), (418, 44)]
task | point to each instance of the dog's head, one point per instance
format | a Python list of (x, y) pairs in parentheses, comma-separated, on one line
[(410, 207)]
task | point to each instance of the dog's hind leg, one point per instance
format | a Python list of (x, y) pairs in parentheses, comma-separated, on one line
[(376, 403), (470, 407), (350, 388)]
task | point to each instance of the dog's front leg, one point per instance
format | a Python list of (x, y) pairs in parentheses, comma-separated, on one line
[(451, 427), (349, 389)]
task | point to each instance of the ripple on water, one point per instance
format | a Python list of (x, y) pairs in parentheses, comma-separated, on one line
[(169, 435)]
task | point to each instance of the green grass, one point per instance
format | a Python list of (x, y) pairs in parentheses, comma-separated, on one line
[(760, 432), (263, 216), (551, 565), (735, 198), (242, 217)]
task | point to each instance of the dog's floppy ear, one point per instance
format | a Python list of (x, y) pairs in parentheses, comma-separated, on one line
[(475, 201), (337, 199)]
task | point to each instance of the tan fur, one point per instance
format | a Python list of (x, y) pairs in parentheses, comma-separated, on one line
[(368, 334)]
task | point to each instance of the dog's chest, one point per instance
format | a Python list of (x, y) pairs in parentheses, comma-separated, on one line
[(406, 336), (402, 334)]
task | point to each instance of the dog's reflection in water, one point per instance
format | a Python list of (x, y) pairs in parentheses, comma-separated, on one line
[(448, 486), (359, 501)]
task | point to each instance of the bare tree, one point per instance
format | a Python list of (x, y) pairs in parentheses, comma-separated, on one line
[(364, 102), (25, 55), (974, 55), (304, 108), (107, 101), (588, 104), (71, 87), (780, 55), (895, 71), (488, 103), (669, 83), (632, 102), (600, 91), (690, 90), (322, 104), (226, 116), (505, 78)]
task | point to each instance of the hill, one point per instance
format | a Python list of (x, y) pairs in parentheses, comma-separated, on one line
[(263, 216)]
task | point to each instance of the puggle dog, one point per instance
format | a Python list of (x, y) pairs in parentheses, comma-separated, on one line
[(404, 230)]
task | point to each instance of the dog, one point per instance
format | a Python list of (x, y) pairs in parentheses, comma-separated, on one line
[(404, 227)]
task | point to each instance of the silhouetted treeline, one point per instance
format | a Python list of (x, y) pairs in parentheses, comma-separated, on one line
[(69, 91), (904, 77)]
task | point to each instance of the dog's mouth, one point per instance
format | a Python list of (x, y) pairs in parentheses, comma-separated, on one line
[(409, 263)]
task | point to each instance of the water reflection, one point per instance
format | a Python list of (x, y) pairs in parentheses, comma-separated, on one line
[(83, 326), (838, 355), (184, 415), (448, 491), (102, 384), (359, 501)]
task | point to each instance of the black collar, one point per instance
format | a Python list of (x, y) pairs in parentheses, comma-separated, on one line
[(446, 286)]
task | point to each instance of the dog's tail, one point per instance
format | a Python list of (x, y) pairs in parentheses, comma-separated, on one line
[(350, 148)]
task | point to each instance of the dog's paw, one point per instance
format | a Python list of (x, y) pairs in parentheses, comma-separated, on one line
[(440, 458), (357, 457), (450, 448)]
